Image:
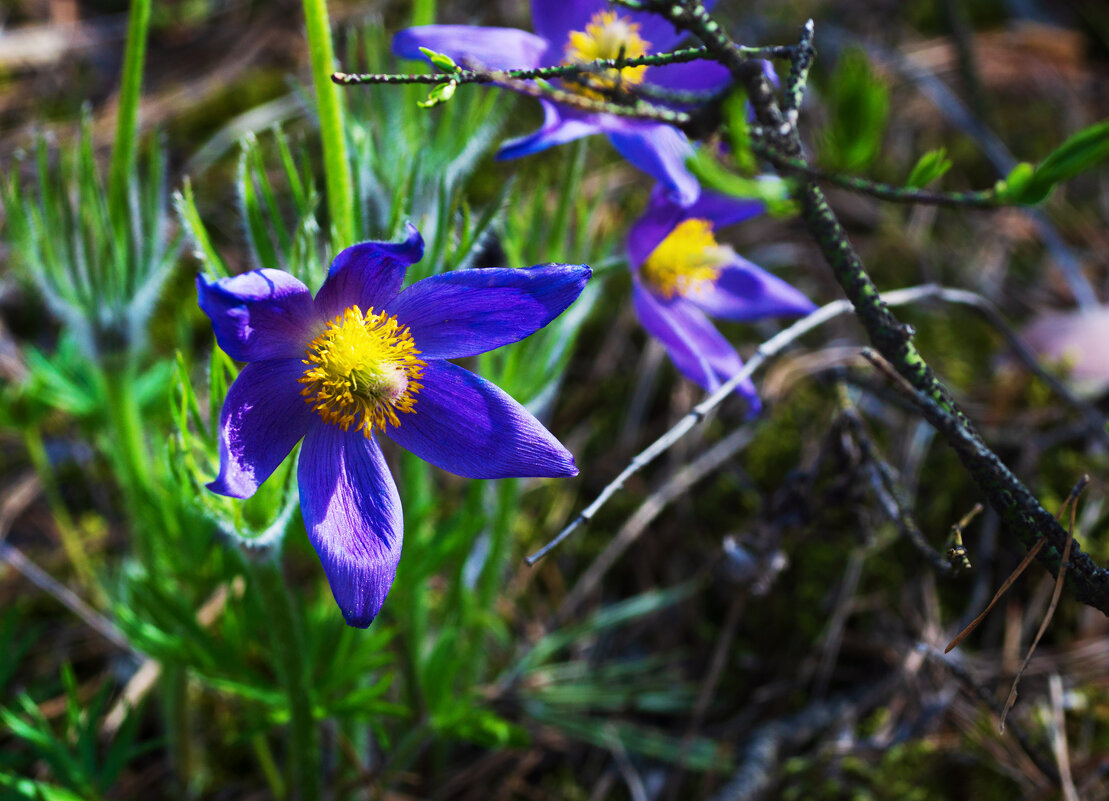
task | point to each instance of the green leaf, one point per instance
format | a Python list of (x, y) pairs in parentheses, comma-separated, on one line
[(1014, 188), (440, 94), (610, 616), (1086, 149), (441, 61), (774, 192), (36, 791), (858, 106), (258, 232), (185, 203), (693, 753), (931, 166), (735, 112)]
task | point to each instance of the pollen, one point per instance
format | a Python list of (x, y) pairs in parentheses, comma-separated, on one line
[(686, 261), (606, 35), (363, 371)]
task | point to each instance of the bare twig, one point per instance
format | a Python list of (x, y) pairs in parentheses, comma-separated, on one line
[(1059, 737), (885, 487), (1072, 501), (800, 63), (475, 75), (708, 688), (986, 697), (764, 748), (48, 584), (976, 199), (1015, 503), (768, 350), (1094, 420), (1035, 549), (144, 679), (674, 488), (15, 501), (833, 640)]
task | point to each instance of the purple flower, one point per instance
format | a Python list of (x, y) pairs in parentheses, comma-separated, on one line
[(680, 275), (362, 359), (576, 31)]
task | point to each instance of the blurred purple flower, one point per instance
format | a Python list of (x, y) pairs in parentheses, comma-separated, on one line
[(576, 31), (680, 275), (362, 359)]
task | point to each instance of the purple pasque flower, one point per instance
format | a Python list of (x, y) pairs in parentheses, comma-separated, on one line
[(577, 31), (364, 359), (681, 275)]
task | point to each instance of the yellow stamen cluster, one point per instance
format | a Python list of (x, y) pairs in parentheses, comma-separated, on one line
[(606, 35), (362, 371), (685, 260)]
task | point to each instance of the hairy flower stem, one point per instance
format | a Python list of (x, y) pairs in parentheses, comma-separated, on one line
[(332, 133), (1013, 501), (126, 420), (287, 641)]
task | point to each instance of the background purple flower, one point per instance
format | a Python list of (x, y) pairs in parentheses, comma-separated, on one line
[(657, 149), (680, 276), (376, 364)]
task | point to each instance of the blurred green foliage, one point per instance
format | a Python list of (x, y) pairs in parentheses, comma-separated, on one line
[(858, 103)]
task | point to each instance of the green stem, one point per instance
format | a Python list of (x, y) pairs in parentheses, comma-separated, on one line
[(507, 498), (423, 12), (127, 119), (287, 640), (333, 137), (175, 707), (269, 767), (126, 423), (126, 449)]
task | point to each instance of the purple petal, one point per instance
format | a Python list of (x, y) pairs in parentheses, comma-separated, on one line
[(554, 19), (771, 74), (690, 76), (368, 275), (262, 314), (472, 46), (724, 210), (660, 151), (467, 312), (558, 128), (470, 427), (662, 215), (697, 349), (744, 291), (353, 517), (263, 417)]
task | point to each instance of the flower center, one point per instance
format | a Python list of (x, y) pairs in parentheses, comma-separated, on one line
[(362, 370), (686, 259), (606, 35)]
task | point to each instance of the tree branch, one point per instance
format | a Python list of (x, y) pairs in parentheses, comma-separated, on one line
[(1018, 507)]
